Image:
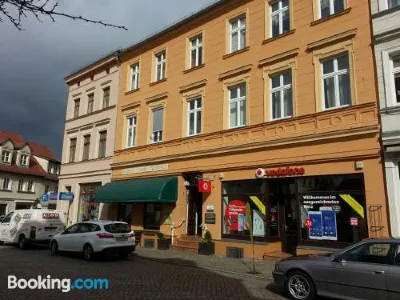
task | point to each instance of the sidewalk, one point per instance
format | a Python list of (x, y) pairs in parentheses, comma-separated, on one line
[(216, 263)]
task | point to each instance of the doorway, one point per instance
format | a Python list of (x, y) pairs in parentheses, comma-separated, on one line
[(194, 202)]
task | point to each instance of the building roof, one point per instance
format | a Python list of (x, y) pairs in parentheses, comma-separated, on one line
[(42, 151), (16, 139)]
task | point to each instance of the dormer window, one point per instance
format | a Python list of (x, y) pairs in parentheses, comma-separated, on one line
[(6, 156), (23, 160)]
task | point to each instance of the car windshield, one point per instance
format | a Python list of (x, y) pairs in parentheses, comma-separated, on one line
[(117, 228)]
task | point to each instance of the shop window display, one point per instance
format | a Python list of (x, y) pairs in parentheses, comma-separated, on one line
[(89, 209)]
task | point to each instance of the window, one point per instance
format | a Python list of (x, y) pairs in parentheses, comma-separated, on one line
[(72, 229), (102, 143), (6, 156), (330, 7), (86, 147), (5, 184), (131, 131), (77, 103), (396, 76), (21, 185), (281, 95), (135, 77), (106, 97), (194, 116), (23, 161), (397, 253), (72, 149), (280, 17), (235, 196), (160, 65), (90, 103), (336, 82), (237, 34), (157, 134), (237, 106), (31, 186), (373, 253), (46, 188), (152, 215), (89, 209), (394, 3), (196, 51), (7, 219)]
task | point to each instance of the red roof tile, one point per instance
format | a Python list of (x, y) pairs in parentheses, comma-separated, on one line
[(41, 150), (34, 169), (15, 138)]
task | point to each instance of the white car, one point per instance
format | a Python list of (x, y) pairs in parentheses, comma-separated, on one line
[(95, 237)]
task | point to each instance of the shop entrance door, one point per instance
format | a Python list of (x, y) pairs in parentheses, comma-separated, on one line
[(195, 211)]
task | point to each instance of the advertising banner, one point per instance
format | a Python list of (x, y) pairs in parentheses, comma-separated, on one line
[(234, 216), (258, 223)]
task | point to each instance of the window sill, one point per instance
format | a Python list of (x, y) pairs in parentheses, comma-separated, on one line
[(24, 192), (193, 69), (6, 191), (86, 161), (91, 114), (157, 82), (385, 12), (132, 91), (316, 22), (271, 39), (236, 52)]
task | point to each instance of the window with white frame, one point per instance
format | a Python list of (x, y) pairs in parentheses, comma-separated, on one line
[(102, 143), (393, 3), (330, 7), (196, 51), (23, 160), (194, 116), (237, 105), (396, 78), (281, 95), (31, 186), (72, 149), (6, 156), (134, 76), (280, 17), (90, 103), (5, 184), (158, 118), (77, 103), (131, 131), (86, 147), (160, 65), (237, 34), (336, 82), (21, 185), (106, 97)]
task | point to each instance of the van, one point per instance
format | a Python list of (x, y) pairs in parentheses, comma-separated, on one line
[(26, 226)]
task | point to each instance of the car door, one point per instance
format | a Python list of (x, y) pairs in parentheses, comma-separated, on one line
[(82, 236), (5, 227), (361, 272), (67, 239), (393, 277)]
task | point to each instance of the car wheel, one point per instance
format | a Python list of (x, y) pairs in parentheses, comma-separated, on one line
[(88, 252), (299, 286), (1, 243), (54, 248), (22, 243)]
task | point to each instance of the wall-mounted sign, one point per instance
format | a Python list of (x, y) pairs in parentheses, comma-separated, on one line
[(210, 218), (260, 173), (53, 196), (153, 168), (204, 186), (288, 171), (44, 198), (66, 196), (210, 208)]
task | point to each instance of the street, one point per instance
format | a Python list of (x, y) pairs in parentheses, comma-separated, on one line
[(134, 278)]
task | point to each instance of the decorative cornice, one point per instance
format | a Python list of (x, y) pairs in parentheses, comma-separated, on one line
[(235, 72), (386, 36), (91, 89), (157, 97), (91, 114), (332, 39), (105, 82), (76, 95), (130, 105), (279, 57), (102, 122), (192, 85)]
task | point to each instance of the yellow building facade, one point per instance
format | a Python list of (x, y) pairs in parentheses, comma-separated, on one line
[(272, 104)]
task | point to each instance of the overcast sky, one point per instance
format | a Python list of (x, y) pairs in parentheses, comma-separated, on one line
[(34, 62)]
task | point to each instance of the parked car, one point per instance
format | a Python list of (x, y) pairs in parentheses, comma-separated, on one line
[(26, 226), (95, 237), (368, 270)]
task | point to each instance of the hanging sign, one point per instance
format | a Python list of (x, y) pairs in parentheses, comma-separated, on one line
[(234, 217), (258, 203), (204, 186), (354, 204)]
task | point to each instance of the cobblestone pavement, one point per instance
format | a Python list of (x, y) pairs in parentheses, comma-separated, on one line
[(134, 278), (242, 266)]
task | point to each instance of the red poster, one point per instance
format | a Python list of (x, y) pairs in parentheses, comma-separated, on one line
[(308, 223), (232, 211)]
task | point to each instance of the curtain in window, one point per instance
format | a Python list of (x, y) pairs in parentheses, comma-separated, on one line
[(276, 105), (325, 9), (158, 120), (242, 112), (191, 123), (344, 89), (233, 114), (287, 103), (235, 41), (275, 25), (285, 18), (198, 122), (329, 91)]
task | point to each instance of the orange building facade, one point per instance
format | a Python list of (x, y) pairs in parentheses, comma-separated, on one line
[(272, 104)]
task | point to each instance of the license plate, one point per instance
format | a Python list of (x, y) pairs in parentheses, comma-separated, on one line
[(119, 239)]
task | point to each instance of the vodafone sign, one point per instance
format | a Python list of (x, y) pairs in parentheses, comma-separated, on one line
[(204, 186), (288, 171)]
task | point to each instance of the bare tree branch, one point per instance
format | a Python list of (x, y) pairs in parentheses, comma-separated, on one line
[(15, 11)]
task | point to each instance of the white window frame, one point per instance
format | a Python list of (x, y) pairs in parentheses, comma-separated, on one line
[(99, 143), (30, 186), (135, 73), (109, 96), (9, 156), (133, 128), (155, 136), (3, 183), (281, 88), (279, 12), (23, 162), (194, 111), (335, 74), (89, 97), (161, 59), (241, 26), (22, 185), (198, 47), (237, 100), (331, 8), (394, 71), (389, 2)]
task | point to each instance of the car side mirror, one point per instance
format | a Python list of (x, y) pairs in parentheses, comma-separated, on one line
[(338, 259)]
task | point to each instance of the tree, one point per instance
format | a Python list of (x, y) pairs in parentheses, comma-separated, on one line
[(15, 11)]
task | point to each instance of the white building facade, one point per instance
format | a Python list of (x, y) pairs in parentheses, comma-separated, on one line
[(386, 28)]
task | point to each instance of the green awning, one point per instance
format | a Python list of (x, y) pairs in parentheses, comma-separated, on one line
[(157, 189)]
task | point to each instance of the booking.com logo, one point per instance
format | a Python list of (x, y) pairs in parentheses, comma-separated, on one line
[(65, 284)]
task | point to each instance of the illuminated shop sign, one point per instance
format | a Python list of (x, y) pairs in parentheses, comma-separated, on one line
[(288, 171)]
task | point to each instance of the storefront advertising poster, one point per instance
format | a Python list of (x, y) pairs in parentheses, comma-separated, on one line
[(258, 223), (234, 217), (315, 232), (329, 228)]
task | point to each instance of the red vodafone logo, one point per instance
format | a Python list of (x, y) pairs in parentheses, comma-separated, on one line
[(204, 186), (260, 173)]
